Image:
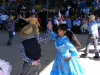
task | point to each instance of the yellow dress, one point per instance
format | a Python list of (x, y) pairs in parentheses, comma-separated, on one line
[(35, 22)]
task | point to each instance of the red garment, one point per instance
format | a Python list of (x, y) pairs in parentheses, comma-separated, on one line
[(40, 21), (63, 19), (16, 2)]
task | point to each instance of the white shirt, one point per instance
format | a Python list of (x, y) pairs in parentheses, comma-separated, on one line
[(23, 7), (63, 22), (3, 17), (59, 14), (56, 21), (69, 7), (33, 10), (77, 23), (67, 13)]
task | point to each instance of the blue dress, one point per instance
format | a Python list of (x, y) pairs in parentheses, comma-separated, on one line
[(65, 50)]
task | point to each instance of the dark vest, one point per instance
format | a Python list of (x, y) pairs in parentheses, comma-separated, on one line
[(32, 48)]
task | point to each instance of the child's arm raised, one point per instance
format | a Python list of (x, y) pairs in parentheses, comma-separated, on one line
[(43, 40)]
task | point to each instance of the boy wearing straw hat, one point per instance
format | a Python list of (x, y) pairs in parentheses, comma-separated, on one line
[(92, 37), (11, 29), (30, 49)]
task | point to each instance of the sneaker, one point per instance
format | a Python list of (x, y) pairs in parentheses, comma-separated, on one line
[(96, 57), (84, 55)]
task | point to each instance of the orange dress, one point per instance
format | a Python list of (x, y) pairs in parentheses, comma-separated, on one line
[(35, 22)]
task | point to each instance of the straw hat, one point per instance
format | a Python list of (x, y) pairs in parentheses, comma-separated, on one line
[(92, 17), (12, 17), (28, 31)]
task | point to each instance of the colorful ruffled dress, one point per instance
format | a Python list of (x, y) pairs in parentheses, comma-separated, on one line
[(65, 50), (5, 67)]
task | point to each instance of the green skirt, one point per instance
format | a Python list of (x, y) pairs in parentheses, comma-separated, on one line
[(84, 26)]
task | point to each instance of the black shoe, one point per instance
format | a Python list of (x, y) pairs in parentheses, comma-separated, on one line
[(96, 57), (84, 55), (9, 43)]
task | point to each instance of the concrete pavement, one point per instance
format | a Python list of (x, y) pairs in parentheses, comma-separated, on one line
[(12, 55)]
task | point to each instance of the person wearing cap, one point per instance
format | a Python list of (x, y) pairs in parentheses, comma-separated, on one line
[(11, 28), (33, 20), (92, 37), (30, 48)]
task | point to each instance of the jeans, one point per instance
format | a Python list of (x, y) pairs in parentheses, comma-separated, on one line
[(10, 36), (89, 42)]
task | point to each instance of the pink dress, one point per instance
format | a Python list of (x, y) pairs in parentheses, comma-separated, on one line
[(84, 25), (2, 73), (5, 67)]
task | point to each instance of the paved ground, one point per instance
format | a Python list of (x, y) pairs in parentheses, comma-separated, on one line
[(12, 55)]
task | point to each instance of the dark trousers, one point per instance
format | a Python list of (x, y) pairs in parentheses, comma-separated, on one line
[(29, 69), (76, 29), (89, 42), (10, 36)]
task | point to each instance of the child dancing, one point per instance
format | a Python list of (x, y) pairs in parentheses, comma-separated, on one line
[(66, 62)]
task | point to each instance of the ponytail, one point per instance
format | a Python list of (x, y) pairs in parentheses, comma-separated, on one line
[(72, 37)]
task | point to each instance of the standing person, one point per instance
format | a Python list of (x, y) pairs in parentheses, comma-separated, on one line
[(11, 29), (92, 37), (44, 18), (4, 18), (33, 10), (30, 49), (76, 25), (84, 25), (69, 23), (33, 20), (66, 62)]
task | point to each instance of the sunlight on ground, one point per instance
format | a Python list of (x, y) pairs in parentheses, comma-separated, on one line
[(92, 67), (47, 70), (82, 49), (91, 47)]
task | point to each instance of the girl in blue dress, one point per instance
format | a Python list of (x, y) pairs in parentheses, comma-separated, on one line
[(66, 62)]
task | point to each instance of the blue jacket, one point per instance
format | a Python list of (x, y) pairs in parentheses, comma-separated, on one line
[(83, 5), (69, 23)]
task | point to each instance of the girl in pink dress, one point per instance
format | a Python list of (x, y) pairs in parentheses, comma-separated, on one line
[(5, 67), (84, 25)]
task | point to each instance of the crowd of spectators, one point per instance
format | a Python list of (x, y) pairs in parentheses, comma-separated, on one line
[(74, 14)]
